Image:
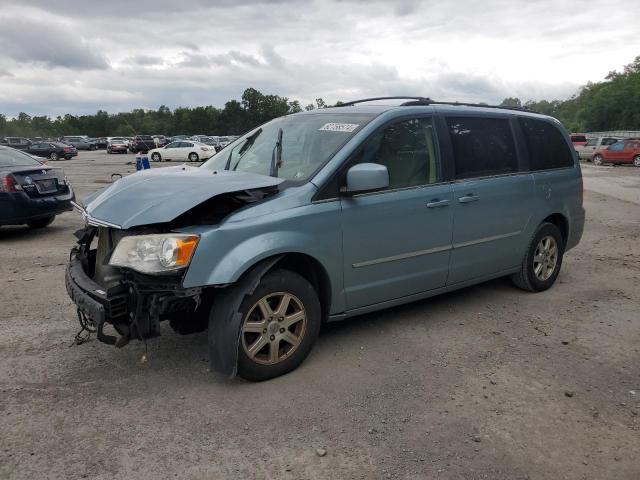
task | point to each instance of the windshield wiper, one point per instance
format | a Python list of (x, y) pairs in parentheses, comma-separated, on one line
[(276, 155), (245, 146)]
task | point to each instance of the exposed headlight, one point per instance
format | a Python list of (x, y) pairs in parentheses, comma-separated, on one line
[(154, 253)]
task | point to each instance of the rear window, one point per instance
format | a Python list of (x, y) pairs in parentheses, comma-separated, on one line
[(482, 146), (14, 158), (546, 144), (578, 138)]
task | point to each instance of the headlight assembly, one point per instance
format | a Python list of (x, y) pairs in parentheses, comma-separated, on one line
[(154, 253)]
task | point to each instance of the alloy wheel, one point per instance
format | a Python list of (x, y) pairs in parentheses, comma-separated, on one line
[(636, 161), (274, 328), (545, 258)]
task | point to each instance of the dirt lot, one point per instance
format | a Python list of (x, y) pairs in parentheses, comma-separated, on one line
[(488, 382)]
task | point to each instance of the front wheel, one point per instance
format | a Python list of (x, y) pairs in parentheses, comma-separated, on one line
[(598, 160), (53, 156), (108, 150), (281, 321), (41, 222), (636, 161), (92, 147), (193, 157), (541, 264)]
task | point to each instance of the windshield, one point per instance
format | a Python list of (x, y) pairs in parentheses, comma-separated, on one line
[(308, 141), (13, 158)]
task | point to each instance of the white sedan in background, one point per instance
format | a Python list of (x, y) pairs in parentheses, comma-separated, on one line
[(182, 150)]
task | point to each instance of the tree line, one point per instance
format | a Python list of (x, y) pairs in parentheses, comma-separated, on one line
[(236, 117), (612, 104)]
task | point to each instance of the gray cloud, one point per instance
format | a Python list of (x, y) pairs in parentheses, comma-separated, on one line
[(209, 52), (26, 40)]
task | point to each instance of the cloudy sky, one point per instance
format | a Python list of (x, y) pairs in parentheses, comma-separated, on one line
[(76, 56)]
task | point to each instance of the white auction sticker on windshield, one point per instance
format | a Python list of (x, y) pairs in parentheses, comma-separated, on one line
[(339, 127)]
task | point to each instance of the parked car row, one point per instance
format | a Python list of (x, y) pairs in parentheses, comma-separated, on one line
[(614, 150)]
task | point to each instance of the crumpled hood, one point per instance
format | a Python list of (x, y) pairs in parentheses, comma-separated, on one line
[(160, 195)]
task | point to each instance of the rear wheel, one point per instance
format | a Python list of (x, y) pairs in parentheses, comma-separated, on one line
[(543, 260), (92, 147), (41, 222), (598, 160), (193, 157), (155, 156), (636, 161), (53, 156), (281, 321)]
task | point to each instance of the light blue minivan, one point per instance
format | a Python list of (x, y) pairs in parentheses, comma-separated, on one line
[(323, 215)]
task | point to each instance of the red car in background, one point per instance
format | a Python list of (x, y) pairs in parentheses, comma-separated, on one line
[(625, 151), (578, 139)]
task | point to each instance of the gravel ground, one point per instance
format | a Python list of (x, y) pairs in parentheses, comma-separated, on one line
[(487, 382)]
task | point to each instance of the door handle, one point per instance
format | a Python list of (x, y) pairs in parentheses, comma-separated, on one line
[(437, 203), (468, 198)]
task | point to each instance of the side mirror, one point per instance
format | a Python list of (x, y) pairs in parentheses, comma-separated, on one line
[(367, 177)]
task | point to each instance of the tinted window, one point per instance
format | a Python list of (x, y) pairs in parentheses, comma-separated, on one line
[(482, 146), (592, 142), (608, 141), (408, 151), (578, 138), (546, 144)]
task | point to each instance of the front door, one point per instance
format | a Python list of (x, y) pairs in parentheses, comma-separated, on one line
[(397, 242)]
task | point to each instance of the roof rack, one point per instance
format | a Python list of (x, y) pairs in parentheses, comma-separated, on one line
[(419, 99), (415, 101)]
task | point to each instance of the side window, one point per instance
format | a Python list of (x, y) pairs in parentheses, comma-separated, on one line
[(186, 144), (608, 141), (407, 149), (482, 146), (617, 147), (592, 142), (546, 144)]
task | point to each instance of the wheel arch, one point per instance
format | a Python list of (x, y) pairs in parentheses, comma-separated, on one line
[(560, 221)]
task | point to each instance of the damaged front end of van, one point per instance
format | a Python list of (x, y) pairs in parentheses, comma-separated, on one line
[(126, 273)]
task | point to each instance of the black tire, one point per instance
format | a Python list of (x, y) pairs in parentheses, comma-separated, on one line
[(155, 156), (67, 158), (526, 278), (92, 147), (53, 156), (598, 160), (108, 150), (193, 157), (41, 222), (636, 161), (291, 283)]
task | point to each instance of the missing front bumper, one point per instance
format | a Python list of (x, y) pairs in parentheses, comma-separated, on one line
[(135, 307)]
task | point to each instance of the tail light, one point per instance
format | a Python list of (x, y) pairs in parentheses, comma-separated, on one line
[(9, 184), (67, 149)]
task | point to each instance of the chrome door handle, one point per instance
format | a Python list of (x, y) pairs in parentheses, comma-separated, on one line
[(437, 203), (468, 199)]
